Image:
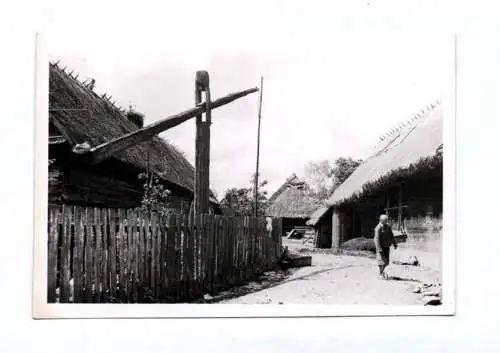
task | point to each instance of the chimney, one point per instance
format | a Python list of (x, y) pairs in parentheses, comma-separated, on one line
[(135, 117)]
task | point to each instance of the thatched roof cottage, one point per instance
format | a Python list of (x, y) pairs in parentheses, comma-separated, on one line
[(403, 178), (79, 116), (292, 202)]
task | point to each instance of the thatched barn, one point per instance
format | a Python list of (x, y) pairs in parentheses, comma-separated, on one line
[(293, 203), (403, 178), (78, 117)]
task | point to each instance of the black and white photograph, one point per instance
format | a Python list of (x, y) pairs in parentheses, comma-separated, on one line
[(179, 177)]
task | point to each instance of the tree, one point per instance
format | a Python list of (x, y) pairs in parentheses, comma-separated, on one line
[(324, 177), (241, 201), (343, 169), (318, 177), (155, 195)]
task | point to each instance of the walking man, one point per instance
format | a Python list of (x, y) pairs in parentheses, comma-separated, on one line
[(383, 239)]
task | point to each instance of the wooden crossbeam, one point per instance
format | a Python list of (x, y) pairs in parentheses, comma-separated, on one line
[(108, 149)]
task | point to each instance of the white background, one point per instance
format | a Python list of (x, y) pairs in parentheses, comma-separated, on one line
[(472, 329)]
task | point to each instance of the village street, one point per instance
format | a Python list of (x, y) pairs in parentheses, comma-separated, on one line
[(344, 279)]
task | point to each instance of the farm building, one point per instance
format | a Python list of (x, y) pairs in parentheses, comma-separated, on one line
[(292, 202), (80, 117), (403, 178)]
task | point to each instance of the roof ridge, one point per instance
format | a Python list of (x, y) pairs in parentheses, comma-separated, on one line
[(89, 87), (414, 120)]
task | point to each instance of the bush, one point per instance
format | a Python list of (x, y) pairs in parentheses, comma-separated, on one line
[(359, 244)]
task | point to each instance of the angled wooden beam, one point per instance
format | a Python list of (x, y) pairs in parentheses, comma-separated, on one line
[(108, 149)]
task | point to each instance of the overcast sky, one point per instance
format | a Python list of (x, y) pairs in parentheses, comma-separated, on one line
[(329, 91)]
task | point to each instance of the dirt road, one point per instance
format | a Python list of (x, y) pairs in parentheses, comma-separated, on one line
[(342, 279)]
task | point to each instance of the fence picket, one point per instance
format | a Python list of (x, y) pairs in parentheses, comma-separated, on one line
[(98, 255), (52, 248), (188, 256), (78, 255), (65, 272), (123, 255), (154, 263), (171, 257), (202, 225), (105, 255), (112, 259)]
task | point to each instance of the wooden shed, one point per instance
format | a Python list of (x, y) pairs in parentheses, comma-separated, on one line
[(79, 117), (403, 178)]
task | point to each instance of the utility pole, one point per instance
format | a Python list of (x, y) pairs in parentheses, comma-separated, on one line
[(258, 150)]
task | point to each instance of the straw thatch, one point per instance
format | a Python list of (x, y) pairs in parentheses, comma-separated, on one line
[(83, 116), (406, 151), (292, 200), (415, 146), (317, 215)]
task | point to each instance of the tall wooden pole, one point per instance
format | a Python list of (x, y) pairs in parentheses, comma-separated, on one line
[(202, 148), (258, 150)]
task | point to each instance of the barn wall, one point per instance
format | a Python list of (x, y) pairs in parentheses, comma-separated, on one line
[(423, 217), (108, 184), (423, 196), (324, 229)]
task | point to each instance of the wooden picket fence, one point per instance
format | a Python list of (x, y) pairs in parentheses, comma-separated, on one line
[(116, 255)]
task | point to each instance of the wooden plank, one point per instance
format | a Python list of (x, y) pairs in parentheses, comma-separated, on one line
[(207, 225), (250, 247), (195, 258), (122, 245), (147, 251), (89, 255), (217, 242), (234, 257), (194, 234), (148, 254), (225, 251), (201, 229), (230, 253), (244, 252), (256, 252), (65, 255), (129, 254), (237, 260), (208, 251), (110, 148), (52, 253), (213, 251), (172, 252), (78, 255), (134, 250), (112, 253), (188, 257), (141, 278), (180, 263), (163, 234), (105, 256), (155, 259), (98, 256)]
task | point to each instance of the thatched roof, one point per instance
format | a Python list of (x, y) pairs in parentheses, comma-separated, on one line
[(292, 200), (415, 146), (81, 115), (317, 215)]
